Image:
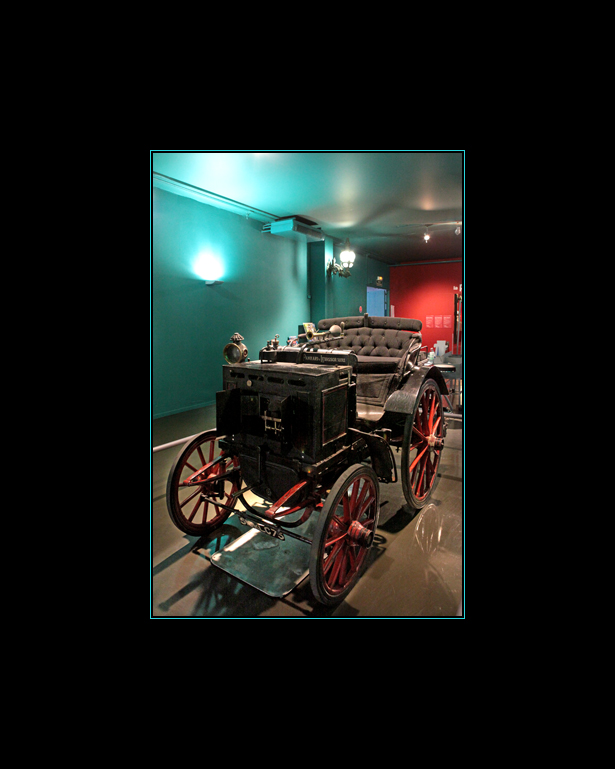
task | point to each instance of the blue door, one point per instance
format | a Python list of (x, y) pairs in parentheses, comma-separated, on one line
[(376, 301)]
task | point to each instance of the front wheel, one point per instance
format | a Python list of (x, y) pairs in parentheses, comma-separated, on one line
[(344, 534), (422, 446), (194, 485)]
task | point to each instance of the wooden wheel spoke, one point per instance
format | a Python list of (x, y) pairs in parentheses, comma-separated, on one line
[(332, 556), (419, 484), (330, 542), (413, 465), (346, 507), (201, 457), (195, 509), (365, 507), (422, 445), (189, 499), (339, 572), (192, 496), (361, 504), (344, 533)]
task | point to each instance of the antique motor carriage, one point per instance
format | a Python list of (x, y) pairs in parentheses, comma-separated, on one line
[(304, 438)]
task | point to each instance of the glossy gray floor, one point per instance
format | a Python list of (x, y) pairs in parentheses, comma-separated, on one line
[(415, 569)]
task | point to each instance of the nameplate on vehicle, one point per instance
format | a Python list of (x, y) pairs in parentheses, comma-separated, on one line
[(332, 360), (266, 528)]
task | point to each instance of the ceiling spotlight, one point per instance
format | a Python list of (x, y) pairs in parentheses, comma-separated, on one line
[(426, 235)]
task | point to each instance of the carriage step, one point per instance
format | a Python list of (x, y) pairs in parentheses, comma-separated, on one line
[(261, 559)]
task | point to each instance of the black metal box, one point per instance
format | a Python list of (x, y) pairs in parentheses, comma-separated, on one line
[(298, 412)]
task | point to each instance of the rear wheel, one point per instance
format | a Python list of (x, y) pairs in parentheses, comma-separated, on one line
[(344, 534), (422, 445), (194, 486)]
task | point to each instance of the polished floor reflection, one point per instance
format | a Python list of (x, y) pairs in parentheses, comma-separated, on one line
[(416, 562)]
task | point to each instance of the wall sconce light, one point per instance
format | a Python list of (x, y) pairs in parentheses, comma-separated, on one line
[(347, 258), (208, 268)]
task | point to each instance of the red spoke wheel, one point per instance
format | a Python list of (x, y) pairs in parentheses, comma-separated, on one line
[(422, 447), (194, 486), (344, 534)]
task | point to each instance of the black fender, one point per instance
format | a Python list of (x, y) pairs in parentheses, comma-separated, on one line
[(381, 455), (402, 401)]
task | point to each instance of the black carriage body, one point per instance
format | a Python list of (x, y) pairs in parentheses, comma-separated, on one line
[(311, 430), (285, 421)]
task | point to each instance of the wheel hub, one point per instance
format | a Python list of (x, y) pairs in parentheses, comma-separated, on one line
[(435, 442), (360, 534)]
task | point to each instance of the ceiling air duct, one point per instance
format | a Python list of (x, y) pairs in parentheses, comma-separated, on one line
[(295, 227)]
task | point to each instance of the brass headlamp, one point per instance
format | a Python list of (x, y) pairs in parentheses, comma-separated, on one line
[(235, 352)]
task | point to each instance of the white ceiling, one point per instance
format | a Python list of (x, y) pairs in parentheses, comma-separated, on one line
[(381, 201)]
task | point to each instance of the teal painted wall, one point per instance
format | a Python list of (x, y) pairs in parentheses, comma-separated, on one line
[(263, 293), (346, 295), (334, 297), (319, 254)]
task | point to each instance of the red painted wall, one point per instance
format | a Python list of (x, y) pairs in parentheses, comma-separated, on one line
[(422, 290)]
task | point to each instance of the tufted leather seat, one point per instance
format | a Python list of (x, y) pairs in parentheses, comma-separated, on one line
[(381, 344), (386, 349)]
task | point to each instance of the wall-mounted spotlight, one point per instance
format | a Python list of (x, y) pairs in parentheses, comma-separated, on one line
[(208, 267), (347, 258), (426, 236)]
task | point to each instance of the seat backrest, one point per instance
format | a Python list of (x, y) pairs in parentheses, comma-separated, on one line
[(352, 321), (374, 336), (372, 321), (400, 324)]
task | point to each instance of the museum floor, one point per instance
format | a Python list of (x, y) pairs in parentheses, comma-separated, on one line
[(415, 568)]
